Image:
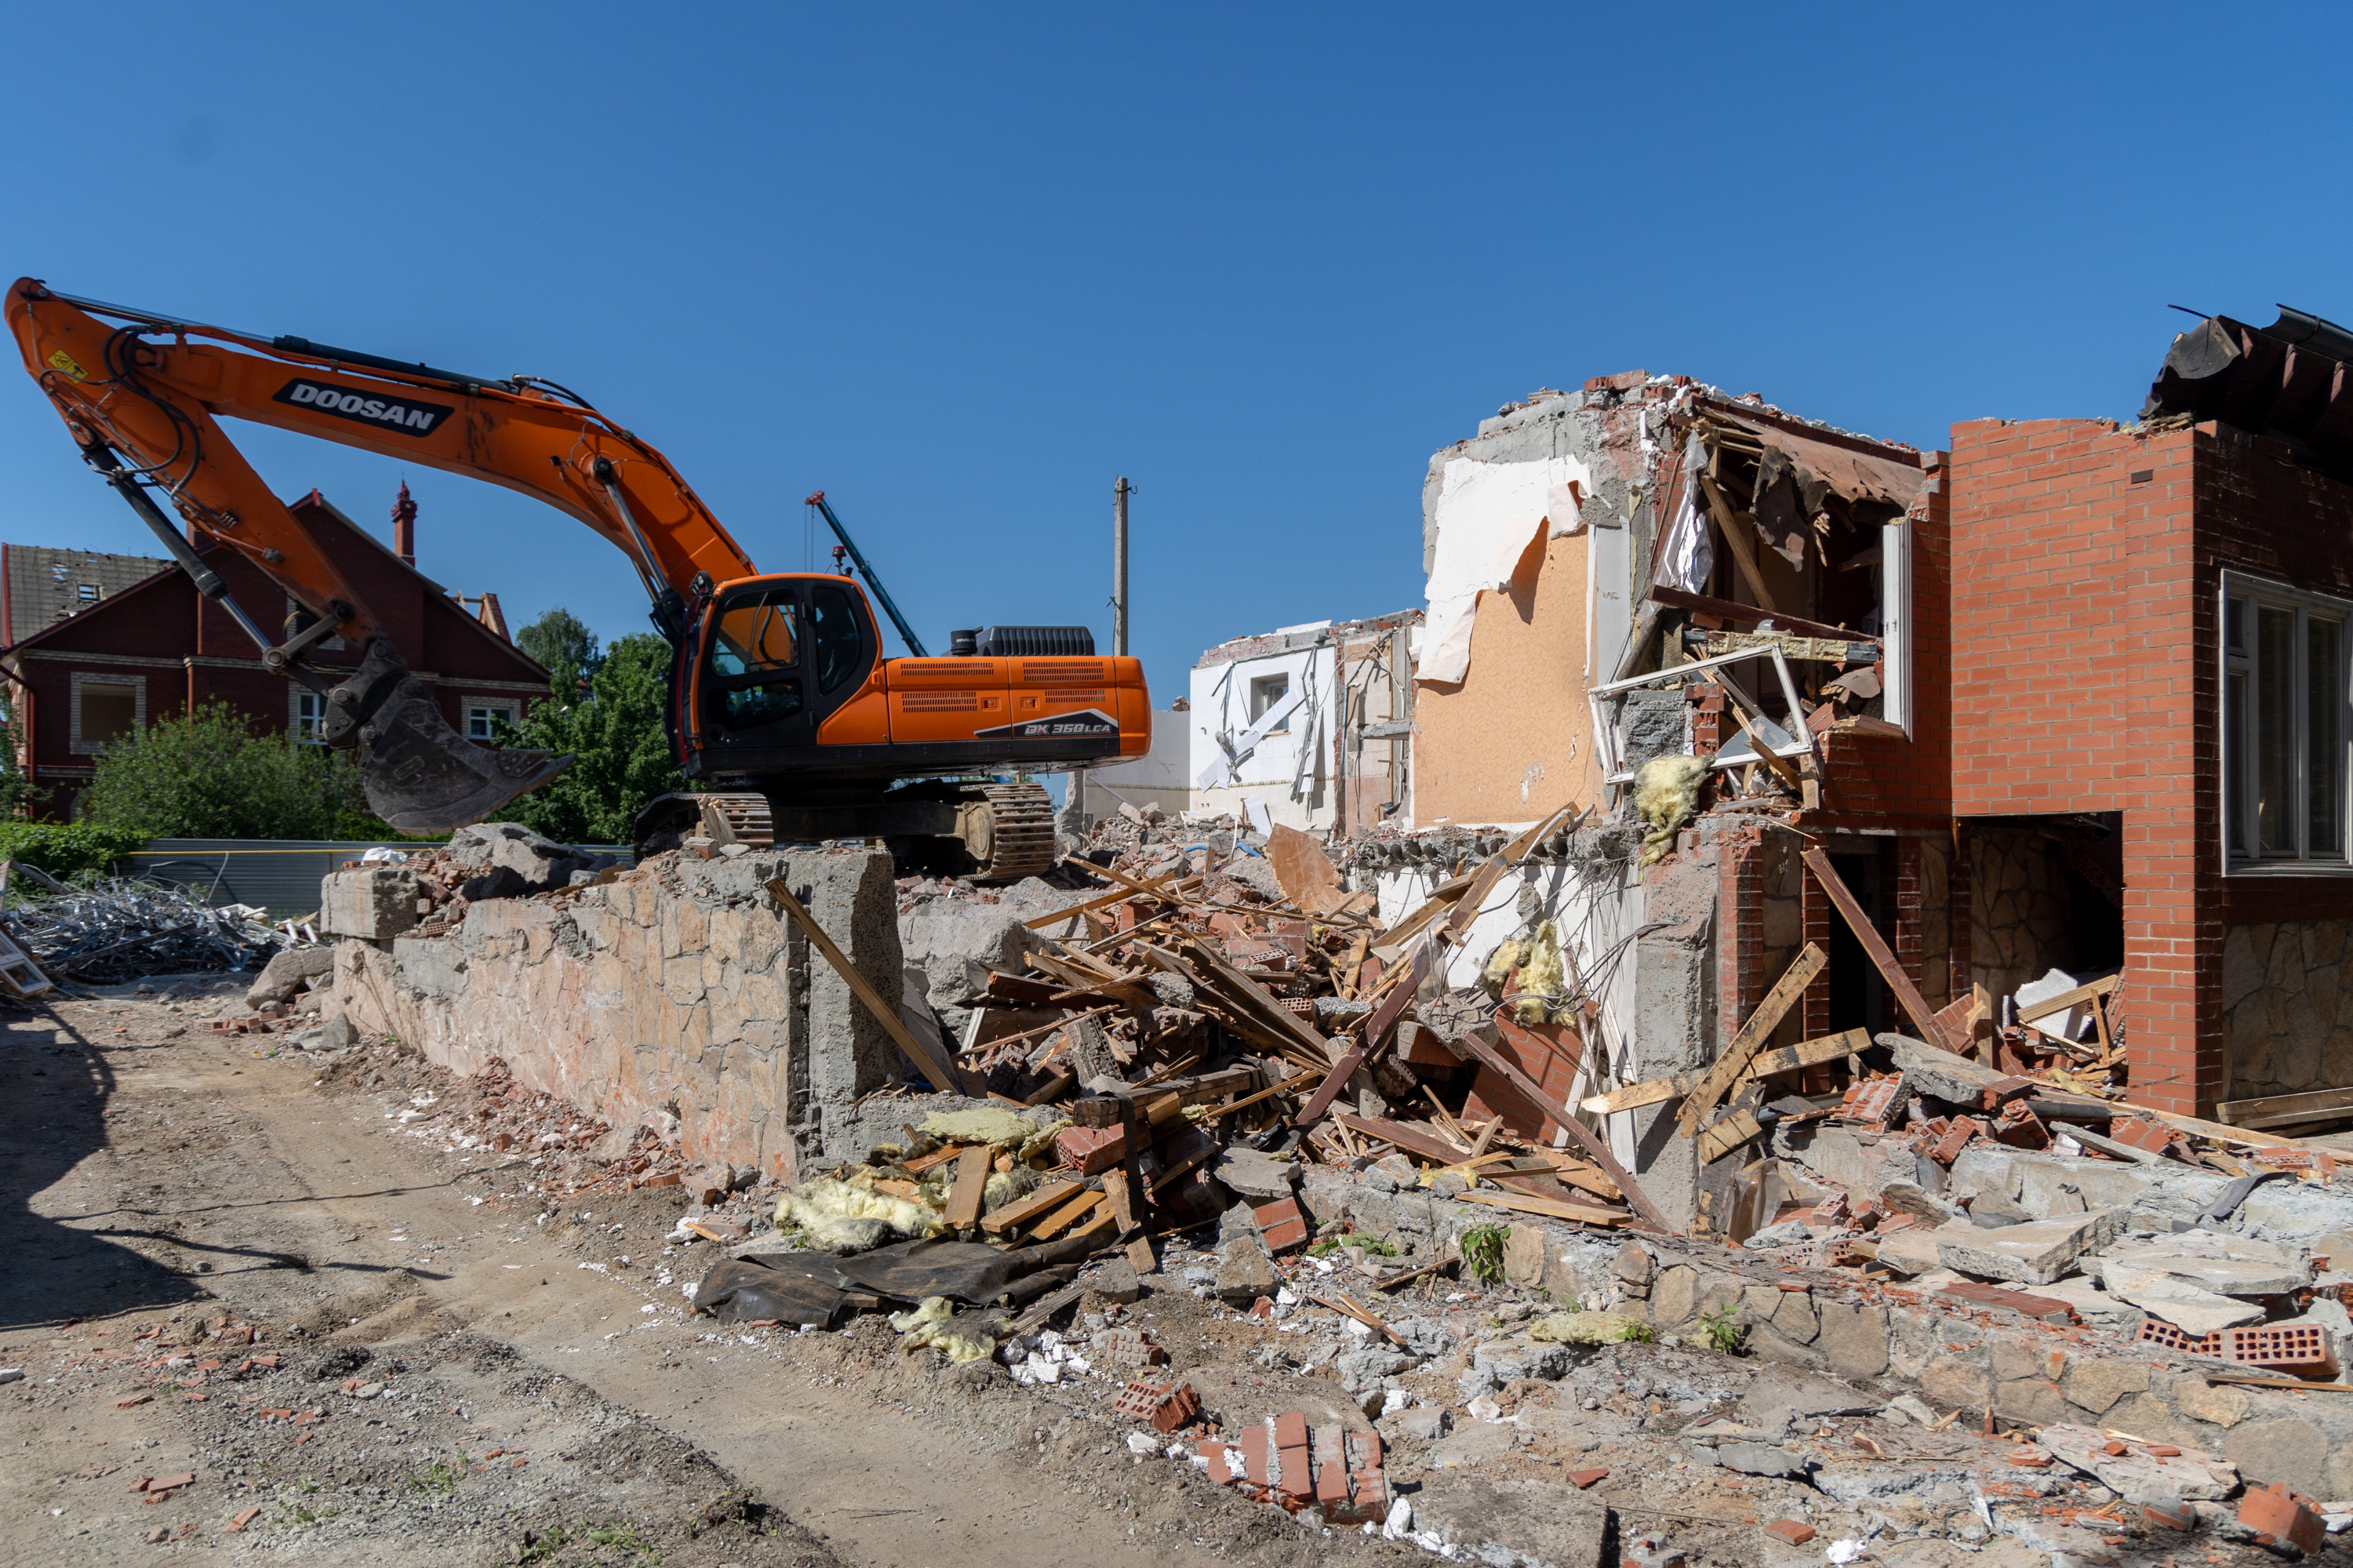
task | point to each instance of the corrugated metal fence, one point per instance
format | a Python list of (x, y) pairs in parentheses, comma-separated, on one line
[(282, 875)]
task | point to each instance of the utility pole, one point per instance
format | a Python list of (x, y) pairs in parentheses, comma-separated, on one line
[(1119, 494)]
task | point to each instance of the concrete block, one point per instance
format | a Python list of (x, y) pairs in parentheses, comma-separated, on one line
[(2032, 1254), (288, 972), (2195, 1311), (2225, 1264), (374, 903), (2137, 1474)]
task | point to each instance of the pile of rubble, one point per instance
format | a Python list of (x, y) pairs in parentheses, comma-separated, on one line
[(125, 928)]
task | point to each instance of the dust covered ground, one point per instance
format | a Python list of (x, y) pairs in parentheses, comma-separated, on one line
[(367, 1314)]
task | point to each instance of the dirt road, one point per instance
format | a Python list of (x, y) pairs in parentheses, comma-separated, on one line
[(459, 1375)]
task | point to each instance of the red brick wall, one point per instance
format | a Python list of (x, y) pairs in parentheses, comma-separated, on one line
[(2084, 655)]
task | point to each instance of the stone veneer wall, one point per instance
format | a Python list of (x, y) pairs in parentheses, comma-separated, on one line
[(1888, 1340), (2287, 995), (2021, 907), (679, 987)]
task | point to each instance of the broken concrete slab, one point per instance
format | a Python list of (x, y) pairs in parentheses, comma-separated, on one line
[(1929, 1070), (2225, 1264), (2035, 1253), (1253, 1175), (1245, 1272), (2190, 1308), (956, 944), (535, 863), (2137, 1475)]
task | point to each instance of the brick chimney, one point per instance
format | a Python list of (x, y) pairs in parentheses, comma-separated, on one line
[(404, 525)]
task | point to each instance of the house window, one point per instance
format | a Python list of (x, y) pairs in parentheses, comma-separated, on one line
[(309, 711), (1266, 692), (482, 720), (2286, 726), (104, 710), (86, 592)]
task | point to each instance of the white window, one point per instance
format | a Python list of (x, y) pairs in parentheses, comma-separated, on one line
[(309, 711), (484, 718), (104, 709), (1265, 693), (2285, 726)]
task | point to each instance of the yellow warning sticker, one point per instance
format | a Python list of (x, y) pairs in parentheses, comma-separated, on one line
[(63, 361)]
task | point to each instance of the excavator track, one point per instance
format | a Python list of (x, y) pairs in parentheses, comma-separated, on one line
[(1006, 829), (1021, 833)]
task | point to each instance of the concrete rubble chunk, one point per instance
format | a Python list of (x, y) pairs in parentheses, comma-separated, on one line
[(956, 944), (288, 972), (374, 902), (536, 863), (1116, 1280), (1928, 1071), (2033, 1253), (1245, 1272), (1253, 1175)]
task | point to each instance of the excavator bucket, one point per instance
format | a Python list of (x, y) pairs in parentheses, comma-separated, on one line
[(423, 777)]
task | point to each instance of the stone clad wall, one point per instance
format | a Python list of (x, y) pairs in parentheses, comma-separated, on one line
[(2021, 909), (679, 987), (2287, 995)]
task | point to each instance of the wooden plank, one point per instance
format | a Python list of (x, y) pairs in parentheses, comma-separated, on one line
[(1595, 1144), (1121, 1195), (2245, 1137), (2090, 1139), (1757, 741), (1078, 1208), (1520, 1204), (1168, 892), (922, 1162), (1403, 1134), (1203, 958), (1080, 979), (1808, 1053), (1108, 1109), (1720, 1138), (2067, 999), (883, 1013), (962, 1210), (2283, 1110), (1744, 550), (1916, 1006), (1711, 1087), (1022, 1210), (1426, 954), (1749, 614)]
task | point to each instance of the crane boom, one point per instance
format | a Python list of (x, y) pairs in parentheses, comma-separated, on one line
[(906, 632)]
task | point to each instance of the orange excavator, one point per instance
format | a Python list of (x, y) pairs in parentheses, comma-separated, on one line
[(783, 712)]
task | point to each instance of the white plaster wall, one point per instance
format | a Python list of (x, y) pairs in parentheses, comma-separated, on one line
[(1221, 697)]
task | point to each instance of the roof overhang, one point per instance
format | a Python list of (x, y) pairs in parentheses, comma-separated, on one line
[(2287, 380)]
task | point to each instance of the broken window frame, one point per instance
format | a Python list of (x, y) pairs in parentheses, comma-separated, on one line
[(2239, 692), (1614, 770)]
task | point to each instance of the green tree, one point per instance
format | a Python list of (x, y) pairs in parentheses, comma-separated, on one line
[(616, 735), (207, 775), (16, 791), (561, 643)]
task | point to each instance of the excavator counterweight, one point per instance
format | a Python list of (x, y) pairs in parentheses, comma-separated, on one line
[(781, 707)]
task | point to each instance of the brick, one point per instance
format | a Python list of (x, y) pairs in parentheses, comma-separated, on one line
[(1581, 1479), (1791, 1530), (1292, 1472), (1215, 1453), (1258, 1454), (2276, 1514), (1281, 1224), (1291, 1430)]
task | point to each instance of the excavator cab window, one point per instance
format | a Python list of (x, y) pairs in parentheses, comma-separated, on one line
[(839, 637), (754, 675)]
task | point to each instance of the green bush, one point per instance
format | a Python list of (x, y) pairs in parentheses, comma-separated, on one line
[(207, 775), (65, 849), (623, 751)]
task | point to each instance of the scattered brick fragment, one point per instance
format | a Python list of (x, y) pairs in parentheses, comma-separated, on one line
[(1581, 1479), (2276, 1514), (1791, 1530)]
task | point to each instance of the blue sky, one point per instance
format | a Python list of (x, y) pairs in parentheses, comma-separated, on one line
[(961, 266)]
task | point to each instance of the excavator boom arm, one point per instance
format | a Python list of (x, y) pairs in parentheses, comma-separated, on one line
[(143, 395)]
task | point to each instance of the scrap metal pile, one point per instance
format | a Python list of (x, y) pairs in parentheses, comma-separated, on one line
[(123, 928)]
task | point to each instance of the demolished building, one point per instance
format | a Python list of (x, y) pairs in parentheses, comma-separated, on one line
[(1850, 892)]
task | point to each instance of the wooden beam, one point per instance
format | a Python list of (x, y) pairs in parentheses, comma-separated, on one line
[(884, 1014), (1595, 1144), (2283, 1110), (1720, 1138), (1520, 1202), (1711, 1089), (1166, 892), (1916, 1006), (1749, 614), (1427, 952), (2067, 999), (1808, 1053), (1743, 551), (1022, 1210), (962, 1210)]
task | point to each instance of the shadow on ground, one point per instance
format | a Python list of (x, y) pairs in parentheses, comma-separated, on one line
[(55, 1085)]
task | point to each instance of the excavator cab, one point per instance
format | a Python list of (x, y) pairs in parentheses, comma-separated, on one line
[(776, 657)]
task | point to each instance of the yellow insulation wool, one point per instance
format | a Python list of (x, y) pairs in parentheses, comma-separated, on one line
[(1666, 792), (850, 1216), (935, 1324), (1544, 979)]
